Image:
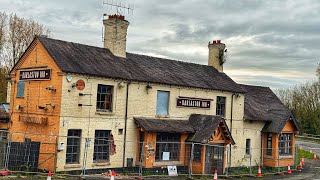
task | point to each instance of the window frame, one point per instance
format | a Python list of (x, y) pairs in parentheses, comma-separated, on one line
[(221, 106), (101, 150), (20, 89), (269, 144), (197, 152), (158, 104), (248, 146), (72, 137), (285, 144), (168, 142), (100, 101)]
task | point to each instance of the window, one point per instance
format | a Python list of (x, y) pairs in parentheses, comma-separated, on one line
[(20, 89), (73, 146), (101, 146), (168, 147), (162, 103), (197, 152), (269, 144), (285, 144), (221, 106), (248, 146), (104, 98)]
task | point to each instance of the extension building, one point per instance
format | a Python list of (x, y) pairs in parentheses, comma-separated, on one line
[(103, 108)]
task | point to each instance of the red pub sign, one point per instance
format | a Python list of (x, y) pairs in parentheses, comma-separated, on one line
[(193, 102)]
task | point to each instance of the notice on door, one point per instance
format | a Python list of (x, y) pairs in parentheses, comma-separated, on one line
[(172, 170), (165, 156)]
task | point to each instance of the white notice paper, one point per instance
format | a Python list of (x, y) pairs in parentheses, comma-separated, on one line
[(165, 156), (172, 171)]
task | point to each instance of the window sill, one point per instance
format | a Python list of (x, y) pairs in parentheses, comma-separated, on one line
[(72, 166), (162, 116), (247, 156), (106, 113), (268, 156), (101, 164), (167, 163)]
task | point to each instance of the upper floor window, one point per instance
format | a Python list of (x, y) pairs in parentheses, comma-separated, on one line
[(285, 144), (163, 102), (20, 89), (104, 98), (221, 106)]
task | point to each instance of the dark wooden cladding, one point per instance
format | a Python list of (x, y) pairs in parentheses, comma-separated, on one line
[(43, 74), (193, 102)]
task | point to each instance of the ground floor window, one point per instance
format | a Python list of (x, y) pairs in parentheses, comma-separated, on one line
[(73, 146), (101, 146), (285, 144), (248, 146), (168, 147), (269, 144), (197, 152)]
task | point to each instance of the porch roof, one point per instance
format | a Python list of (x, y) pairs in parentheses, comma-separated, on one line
[(164, 125), (277, 126), (205, 125), (199, 126)]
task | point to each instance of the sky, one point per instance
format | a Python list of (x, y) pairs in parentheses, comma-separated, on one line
[(270, 43)]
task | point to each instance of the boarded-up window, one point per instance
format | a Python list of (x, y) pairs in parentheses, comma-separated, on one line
[(20, 89), (221, 106), (163, 103)]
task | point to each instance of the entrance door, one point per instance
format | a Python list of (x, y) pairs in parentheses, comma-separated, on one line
[(214, 158)]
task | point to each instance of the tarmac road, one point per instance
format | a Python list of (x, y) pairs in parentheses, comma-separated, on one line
[(308, 145)]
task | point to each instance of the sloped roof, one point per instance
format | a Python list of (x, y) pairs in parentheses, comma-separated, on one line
[(205, 125), (199, 126), (279, 119), (259, 101), (164, 125), (261, 104), (95, 61)]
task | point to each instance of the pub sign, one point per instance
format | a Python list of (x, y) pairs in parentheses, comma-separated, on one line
[(43, 74), (193, 102)]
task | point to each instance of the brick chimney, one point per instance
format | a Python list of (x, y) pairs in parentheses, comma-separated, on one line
[(115, 34), (216, 50)]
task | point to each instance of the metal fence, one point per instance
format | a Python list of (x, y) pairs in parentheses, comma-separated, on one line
[(35, 153)]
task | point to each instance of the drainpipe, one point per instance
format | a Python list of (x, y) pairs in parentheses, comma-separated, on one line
[(231, 127), (261, 152), (125, 126)]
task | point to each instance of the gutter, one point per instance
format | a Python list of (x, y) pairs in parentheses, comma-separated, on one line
[(125, 125)]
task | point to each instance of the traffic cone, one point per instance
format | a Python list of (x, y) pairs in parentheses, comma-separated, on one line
[(314, 157), (289, 169), (49, 176), (259, 172), (300, 165), (302, 160), (215, 177), (112, 175)]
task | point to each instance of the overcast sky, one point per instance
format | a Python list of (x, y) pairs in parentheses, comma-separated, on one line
[(270, 43)]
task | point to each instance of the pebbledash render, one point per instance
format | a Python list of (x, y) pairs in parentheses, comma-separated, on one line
[(124, 98)]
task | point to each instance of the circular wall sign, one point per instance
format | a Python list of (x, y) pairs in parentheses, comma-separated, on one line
[(80, 84)]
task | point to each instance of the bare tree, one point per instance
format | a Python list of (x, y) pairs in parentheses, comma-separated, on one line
[(16, 34)]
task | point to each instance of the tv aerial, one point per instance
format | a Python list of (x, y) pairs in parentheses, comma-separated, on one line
[(119, 6)]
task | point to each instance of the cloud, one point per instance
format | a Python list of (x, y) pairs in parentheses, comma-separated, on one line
[(272, 43)]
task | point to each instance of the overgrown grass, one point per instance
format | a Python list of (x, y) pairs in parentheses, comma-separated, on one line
[(305, 154)]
